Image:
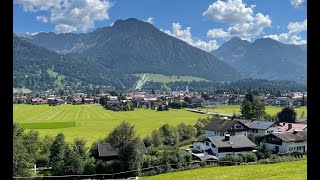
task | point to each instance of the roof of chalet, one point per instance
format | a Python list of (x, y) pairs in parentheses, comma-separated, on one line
[(221, 125), (256, 124), (291, 136), (285, 127), (237, 141), (106, 150)]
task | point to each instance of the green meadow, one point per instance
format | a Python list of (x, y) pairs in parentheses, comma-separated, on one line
[(165, 79), (92, 122), (293, 170), (272, 110)]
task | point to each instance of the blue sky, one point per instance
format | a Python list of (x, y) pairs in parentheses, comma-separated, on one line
[(205, 24)]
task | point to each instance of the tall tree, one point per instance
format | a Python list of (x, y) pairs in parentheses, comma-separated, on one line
[(288, 114), (22, 161), (124, 138), (57, 155), (122, 135), (169, 134), (252, 107)]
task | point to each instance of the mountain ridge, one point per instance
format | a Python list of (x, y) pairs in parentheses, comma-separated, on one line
[(141, 48), (265, 58)]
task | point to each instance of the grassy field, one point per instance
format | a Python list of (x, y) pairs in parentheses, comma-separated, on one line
[(92, 122), (272, 110), (294, 170), (165, 79)]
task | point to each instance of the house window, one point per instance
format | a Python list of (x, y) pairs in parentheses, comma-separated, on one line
[(198, 147), (207, 143), (221, 134), (269, 131), (255, 130), (238, 126)]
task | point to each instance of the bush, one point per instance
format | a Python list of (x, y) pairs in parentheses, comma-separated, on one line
[(160, 108), (227, 158), (89, 167), (274, 158), (249, 157), (147, 141)]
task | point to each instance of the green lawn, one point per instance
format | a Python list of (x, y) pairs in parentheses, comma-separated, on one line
[(272, 110), (165, 79), (92, 122), (293, 170)]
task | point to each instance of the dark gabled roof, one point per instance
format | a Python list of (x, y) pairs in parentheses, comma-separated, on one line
[(291, 136), (222, 125), (238, 141), (106, 150), (256, 124)]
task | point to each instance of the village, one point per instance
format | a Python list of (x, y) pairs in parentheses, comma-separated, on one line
[(145, 99)]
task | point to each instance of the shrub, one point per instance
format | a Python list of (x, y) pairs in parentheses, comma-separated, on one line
[(89, 167), (249, 157), (274, 158)]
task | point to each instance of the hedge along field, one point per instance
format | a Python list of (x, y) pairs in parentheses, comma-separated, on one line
[(272, 110), (92, 122), (284, 170)]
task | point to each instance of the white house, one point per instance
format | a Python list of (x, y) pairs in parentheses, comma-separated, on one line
[(221, 127), (227, 145), (259, 127), (283, 142)]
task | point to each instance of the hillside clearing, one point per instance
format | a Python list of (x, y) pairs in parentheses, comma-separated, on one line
[(165, 79)]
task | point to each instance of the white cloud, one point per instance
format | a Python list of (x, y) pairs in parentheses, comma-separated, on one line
[(185, 35), (298, 26), (231, 11), (38, 5), (43, 19), (243, 22), (150, 20), (298, 3), (70, 15), (34, 33), (292, 36), (64, 28)]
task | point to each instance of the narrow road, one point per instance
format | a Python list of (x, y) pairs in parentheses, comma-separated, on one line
[(206, 112)]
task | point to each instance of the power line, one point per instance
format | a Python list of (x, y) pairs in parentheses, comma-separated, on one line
[(151, 167)]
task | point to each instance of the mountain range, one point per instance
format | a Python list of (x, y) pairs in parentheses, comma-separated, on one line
[(111, 55), (265, 58), (132, 46)]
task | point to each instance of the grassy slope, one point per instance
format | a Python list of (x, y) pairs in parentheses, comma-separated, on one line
[(165, 79), (92, 121), (272, 110), (284, 170), (58, 80)]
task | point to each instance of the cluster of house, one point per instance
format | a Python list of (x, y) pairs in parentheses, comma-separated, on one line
[(143, 99), (230, 138)]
